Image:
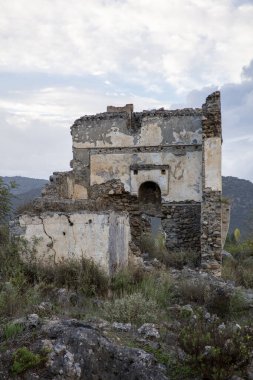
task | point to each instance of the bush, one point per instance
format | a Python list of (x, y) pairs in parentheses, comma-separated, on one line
[(25, 359), (217, 300), (181, 258), (133, 308), (126, 280), (216, 351), (11, 330), (82, 275), (155, 285), (14, 301), (5, 200), (154, 245), (239, 270), (192, 291)]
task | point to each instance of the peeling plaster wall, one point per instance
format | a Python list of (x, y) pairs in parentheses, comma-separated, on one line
[(113, 131), (212, 152), (184, 178), (116, 151), (103, 237)]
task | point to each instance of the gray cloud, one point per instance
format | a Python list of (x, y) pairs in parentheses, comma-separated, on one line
[(188, 43), (237, 119), (34, 126), (60, 60)]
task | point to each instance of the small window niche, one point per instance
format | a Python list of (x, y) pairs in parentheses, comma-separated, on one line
[(163, 171), (135, 171)]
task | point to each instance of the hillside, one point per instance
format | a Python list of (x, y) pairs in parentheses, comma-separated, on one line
[(26, 189), (25, 184), (240, 193)]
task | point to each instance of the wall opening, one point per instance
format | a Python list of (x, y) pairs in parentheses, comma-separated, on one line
[(149, 193)]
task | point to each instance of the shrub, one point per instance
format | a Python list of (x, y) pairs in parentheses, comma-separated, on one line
[(126, 280), (81, 275), (14, 301), (5, 199), (192, 291), (240, 251), (133, 308), (11, 330), (240, 269), (25, 359), (11, 264), (155, 285), (181, 258), (217, 300), (154, 245), (215, 351)]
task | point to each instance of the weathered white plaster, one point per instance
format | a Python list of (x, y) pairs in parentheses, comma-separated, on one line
[(103, 237), (154, 131), (185, 177), (151, 135), (153, 175), (212, 162), (114, 138)]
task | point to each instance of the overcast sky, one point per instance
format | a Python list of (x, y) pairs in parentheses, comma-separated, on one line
[(62, 59)]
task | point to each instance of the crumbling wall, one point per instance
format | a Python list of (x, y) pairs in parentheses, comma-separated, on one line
[(176, 153), (225, 214), (103, 237), (211, 244)]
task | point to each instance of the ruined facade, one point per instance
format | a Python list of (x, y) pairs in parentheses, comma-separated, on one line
[(133, 172)]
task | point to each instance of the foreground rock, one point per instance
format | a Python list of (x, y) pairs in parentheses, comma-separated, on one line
[(75, 350)]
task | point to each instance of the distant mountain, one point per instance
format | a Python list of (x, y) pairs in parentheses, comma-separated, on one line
[(25, 184), (240, 193), (26, 189)]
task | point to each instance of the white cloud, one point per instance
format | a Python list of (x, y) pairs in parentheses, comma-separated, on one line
[(116, 52), (190, 43), (237, 123), (34, 126)]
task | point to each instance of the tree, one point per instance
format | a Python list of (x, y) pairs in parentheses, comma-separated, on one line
[(5, 200)]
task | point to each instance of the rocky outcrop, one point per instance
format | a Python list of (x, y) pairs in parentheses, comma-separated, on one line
[(76, 350)]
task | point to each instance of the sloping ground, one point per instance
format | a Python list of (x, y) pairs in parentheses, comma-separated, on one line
[(240, 193)]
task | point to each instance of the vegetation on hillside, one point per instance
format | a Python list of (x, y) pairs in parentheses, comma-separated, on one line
[(239, 266), (205, 331)]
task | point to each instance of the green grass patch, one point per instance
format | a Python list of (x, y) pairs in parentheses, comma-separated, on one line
[(24, 359)]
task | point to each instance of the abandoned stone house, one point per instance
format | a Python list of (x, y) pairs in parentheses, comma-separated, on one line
[(134, 172)]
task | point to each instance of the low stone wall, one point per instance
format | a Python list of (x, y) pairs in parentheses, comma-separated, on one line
[(103, 237)]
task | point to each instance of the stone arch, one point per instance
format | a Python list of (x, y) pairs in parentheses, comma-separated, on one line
[(149, 193)]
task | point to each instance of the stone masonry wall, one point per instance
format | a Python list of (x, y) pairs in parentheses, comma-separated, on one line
[(211, 244), (116, 152)]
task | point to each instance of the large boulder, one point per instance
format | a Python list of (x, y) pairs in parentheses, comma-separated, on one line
[(76, 350)]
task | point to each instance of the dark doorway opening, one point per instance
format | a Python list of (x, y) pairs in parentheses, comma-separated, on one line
[(150, 193)]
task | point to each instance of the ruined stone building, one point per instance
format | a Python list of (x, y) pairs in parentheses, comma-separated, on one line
[(133, 172)]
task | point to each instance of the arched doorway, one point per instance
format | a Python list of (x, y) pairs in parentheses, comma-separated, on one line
[(150, 193)]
